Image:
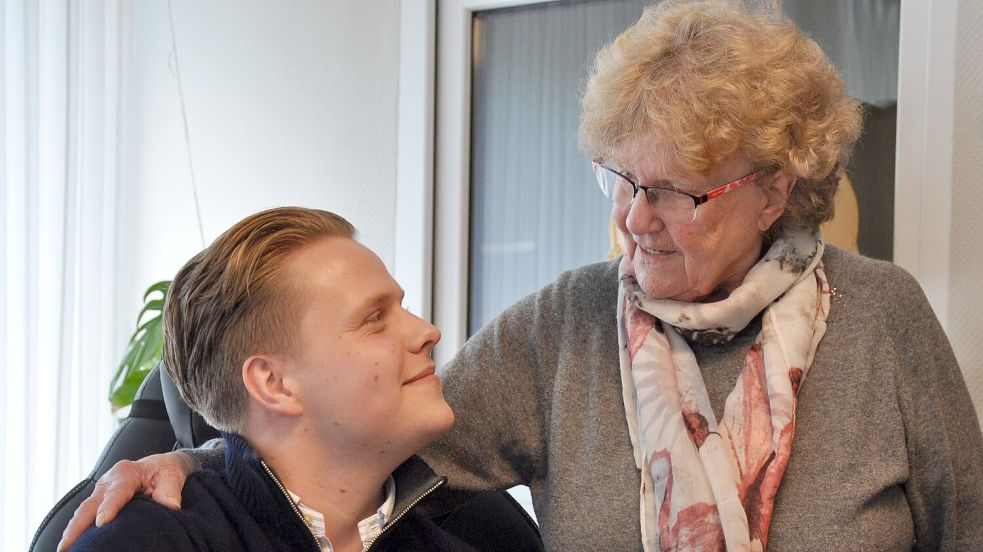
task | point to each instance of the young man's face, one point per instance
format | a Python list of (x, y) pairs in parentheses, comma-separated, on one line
[(362, 364)]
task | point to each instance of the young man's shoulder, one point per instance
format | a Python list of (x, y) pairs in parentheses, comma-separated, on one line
[(209, 519), (418, 532)]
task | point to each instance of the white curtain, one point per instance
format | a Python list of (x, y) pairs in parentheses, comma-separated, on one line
[(57, 203)]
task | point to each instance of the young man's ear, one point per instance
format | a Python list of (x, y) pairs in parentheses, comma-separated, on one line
[(264, 379), (778, 187)]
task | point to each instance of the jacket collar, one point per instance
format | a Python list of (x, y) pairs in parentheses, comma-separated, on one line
[(414, 480), (259, 489)]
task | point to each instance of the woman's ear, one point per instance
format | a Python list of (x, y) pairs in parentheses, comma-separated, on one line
[(778, 187), (265, 381)]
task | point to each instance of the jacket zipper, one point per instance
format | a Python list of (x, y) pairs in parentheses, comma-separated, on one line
[(401, 514), (293, 505)]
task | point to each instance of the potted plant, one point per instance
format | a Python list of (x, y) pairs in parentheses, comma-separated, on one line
[(144, 349)]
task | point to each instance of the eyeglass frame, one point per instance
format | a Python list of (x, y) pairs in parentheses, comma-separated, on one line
[(697, 200)]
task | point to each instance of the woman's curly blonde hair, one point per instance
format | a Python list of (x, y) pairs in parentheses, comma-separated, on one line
[(710, 78)]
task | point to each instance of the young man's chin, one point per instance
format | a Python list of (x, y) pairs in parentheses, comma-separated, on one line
[(438, 421)]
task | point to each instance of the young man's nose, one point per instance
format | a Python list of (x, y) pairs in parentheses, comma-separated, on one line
[(424, 336)]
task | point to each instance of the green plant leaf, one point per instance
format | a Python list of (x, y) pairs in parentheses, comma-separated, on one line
[(132, 350), (123, 395), (155, 305), (161, 287), (143, 328), (153, 342), (143, 350)]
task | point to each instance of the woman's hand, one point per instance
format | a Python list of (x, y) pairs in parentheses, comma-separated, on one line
[(160, 475)]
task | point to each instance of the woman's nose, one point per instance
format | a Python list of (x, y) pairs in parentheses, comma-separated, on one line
[(641, 217)]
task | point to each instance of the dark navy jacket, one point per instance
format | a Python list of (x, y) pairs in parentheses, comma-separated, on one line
[(245, 508)]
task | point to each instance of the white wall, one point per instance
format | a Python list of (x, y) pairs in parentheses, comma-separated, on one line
[(286, 106), (965, 316)]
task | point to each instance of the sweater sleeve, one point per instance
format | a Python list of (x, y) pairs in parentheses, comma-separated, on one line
[(945, 446), (210, 455), (496, 386)]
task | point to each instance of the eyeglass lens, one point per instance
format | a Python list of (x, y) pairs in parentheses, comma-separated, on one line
[(672, 206)]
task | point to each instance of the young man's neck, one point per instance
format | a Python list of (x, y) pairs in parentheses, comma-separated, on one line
[(344, 487)]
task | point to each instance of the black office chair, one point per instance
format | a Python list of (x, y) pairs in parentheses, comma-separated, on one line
[(160, 421)]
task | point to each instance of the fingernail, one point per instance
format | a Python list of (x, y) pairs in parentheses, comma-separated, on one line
[(174, 502), (100, 519)]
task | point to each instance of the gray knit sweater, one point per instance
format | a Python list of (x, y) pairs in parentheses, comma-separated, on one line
[(887, 454)]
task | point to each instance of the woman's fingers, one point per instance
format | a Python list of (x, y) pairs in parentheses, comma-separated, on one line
[(160, 475), (169, 477), (113, 490)]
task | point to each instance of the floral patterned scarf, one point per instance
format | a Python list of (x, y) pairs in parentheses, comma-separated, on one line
[(709, 484)]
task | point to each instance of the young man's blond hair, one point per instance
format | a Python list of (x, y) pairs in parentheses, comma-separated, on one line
[(231, 301)]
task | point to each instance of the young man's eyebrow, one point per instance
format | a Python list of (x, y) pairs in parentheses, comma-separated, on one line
[(381, 299)]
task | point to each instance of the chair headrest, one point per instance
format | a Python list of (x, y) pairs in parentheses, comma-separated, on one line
[(190, 429)]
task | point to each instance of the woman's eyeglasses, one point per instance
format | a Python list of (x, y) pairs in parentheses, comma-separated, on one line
[(674, 206)]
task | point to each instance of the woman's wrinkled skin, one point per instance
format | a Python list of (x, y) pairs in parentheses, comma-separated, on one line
[(707, 259)]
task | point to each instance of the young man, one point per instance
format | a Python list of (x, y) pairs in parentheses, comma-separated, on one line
[(289, 336)]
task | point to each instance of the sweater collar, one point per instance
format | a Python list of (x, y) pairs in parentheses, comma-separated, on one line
[(257, 489)]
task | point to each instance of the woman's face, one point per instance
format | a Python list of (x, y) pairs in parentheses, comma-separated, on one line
[(706, 259)]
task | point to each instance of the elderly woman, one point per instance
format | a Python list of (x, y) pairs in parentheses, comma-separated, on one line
[(731, 382)]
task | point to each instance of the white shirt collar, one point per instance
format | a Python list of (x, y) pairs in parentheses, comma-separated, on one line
[(368, 529)]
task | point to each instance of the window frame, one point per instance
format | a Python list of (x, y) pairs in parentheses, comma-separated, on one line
[(434, 264)]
